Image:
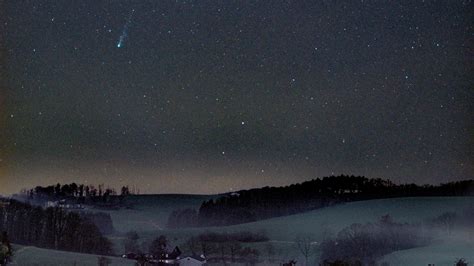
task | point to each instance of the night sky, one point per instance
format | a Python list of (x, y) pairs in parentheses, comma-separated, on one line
[(213, 96)]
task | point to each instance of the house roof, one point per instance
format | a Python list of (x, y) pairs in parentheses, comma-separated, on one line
[(198, 258)]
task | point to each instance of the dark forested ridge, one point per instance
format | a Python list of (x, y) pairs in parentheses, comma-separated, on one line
[(53, 228), (100, 196), (262, 203)]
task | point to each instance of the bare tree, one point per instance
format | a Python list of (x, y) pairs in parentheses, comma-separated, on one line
[(158, 246), (447, 219), (304, 244), (193, 245), (234, 248), (461, 262), (270, 251), (131, 243)]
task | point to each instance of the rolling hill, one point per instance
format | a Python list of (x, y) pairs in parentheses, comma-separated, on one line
[(282, 231), (150, 213), (441, 253)]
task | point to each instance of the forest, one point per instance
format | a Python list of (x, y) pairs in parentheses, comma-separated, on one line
[(52, 228), (263, 203), (364, 244), (98, 196)]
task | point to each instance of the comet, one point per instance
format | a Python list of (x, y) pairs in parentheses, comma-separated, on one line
[(123, 37)]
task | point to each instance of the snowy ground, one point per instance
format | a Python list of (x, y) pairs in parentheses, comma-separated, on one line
[(443, 252), (282, 231), (150, 215), (33, 256)]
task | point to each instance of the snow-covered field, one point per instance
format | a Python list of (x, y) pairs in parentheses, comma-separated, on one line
[(332, 219), (440, 253), (151, 212), (282, 231), (33, 256), (150, 219)]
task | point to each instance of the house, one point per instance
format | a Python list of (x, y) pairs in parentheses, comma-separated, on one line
[(192, 260), (70, 204), (131, 256), (52, 204), (63, 204), (290, 263), (168, 257)]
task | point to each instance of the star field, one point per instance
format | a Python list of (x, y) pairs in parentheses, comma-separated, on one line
[(206, 96)]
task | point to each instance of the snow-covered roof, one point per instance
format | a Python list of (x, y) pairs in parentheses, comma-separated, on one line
[(198, 258)]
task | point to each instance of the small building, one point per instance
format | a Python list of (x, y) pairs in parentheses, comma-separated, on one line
[(63, 204), (51, 204), (192, 260)]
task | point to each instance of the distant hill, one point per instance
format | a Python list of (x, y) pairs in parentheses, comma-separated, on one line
[(150, 212), (335, 218), (263, 203)]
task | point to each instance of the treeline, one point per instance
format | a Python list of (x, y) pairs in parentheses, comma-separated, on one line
[(256, 204), (77, 194), (226, 248), (52, 228), (262, 203), (451, 221), (364, 244)]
